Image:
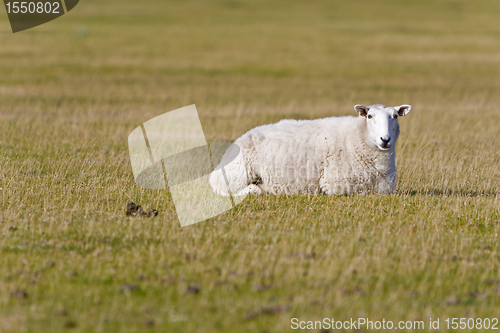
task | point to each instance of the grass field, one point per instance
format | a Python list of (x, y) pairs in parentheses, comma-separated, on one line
[(73, 89)]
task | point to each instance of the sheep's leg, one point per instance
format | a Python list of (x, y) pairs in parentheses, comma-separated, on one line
[(334, 188), (219, 180), (251, 189)]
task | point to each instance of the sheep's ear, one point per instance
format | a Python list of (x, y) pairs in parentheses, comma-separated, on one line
[(403, 110), (361, 110)]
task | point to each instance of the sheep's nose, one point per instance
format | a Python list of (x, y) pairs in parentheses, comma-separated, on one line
[(385, 140)]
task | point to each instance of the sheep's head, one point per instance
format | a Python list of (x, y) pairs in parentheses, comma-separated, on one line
[(382, 123)]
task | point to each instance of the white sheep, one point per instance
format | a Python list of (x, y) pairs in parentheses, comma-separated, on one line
[(336, 155)]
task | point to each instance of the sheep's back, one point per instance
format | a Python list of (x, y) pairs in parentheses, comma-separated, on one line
[(289, 156)]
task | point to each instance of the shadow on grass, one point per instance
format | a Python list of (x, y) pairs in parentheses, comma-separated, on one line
[(451, 193)]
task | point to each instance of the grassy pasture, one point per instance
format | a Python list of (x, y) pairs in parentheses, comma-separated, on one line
[(73, 89)]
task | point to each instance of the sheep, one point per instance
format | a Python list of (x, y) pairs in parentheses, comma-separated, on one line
[(334, 156)]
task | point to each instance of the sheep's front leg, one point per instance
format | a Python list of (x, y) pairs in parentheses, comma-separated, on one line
[(251, 189), (387, 185)]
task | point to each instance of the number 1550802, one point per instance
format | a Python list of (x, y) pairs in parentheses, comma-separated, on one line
[(471, 323), (32, 7)]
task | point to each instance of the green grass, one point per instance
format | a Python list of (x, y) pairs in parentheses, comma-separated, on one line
[(68, 103)]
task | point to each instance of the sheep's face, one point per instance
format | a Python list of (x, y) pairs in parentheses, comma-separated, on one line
[(382, 123)]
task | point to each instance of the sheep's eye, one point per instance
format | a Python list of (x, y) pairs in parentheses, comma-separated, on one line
[(395, 116), (370, 116)]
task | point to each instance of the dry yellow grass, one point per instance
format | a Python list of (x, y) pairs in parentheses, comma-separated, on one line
[(68, 103)]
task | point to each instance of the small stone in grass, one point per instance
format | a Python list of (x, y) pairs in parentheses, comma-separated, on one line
[(453, 300), (492, 281), (19, 294), (129, 287), (73, 273), (269, 310), (132, 209), (136, 210), (192, 289), (251, 315), (262, 287), (168, 280), (272, 309), (61, 313), (225, 283)]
